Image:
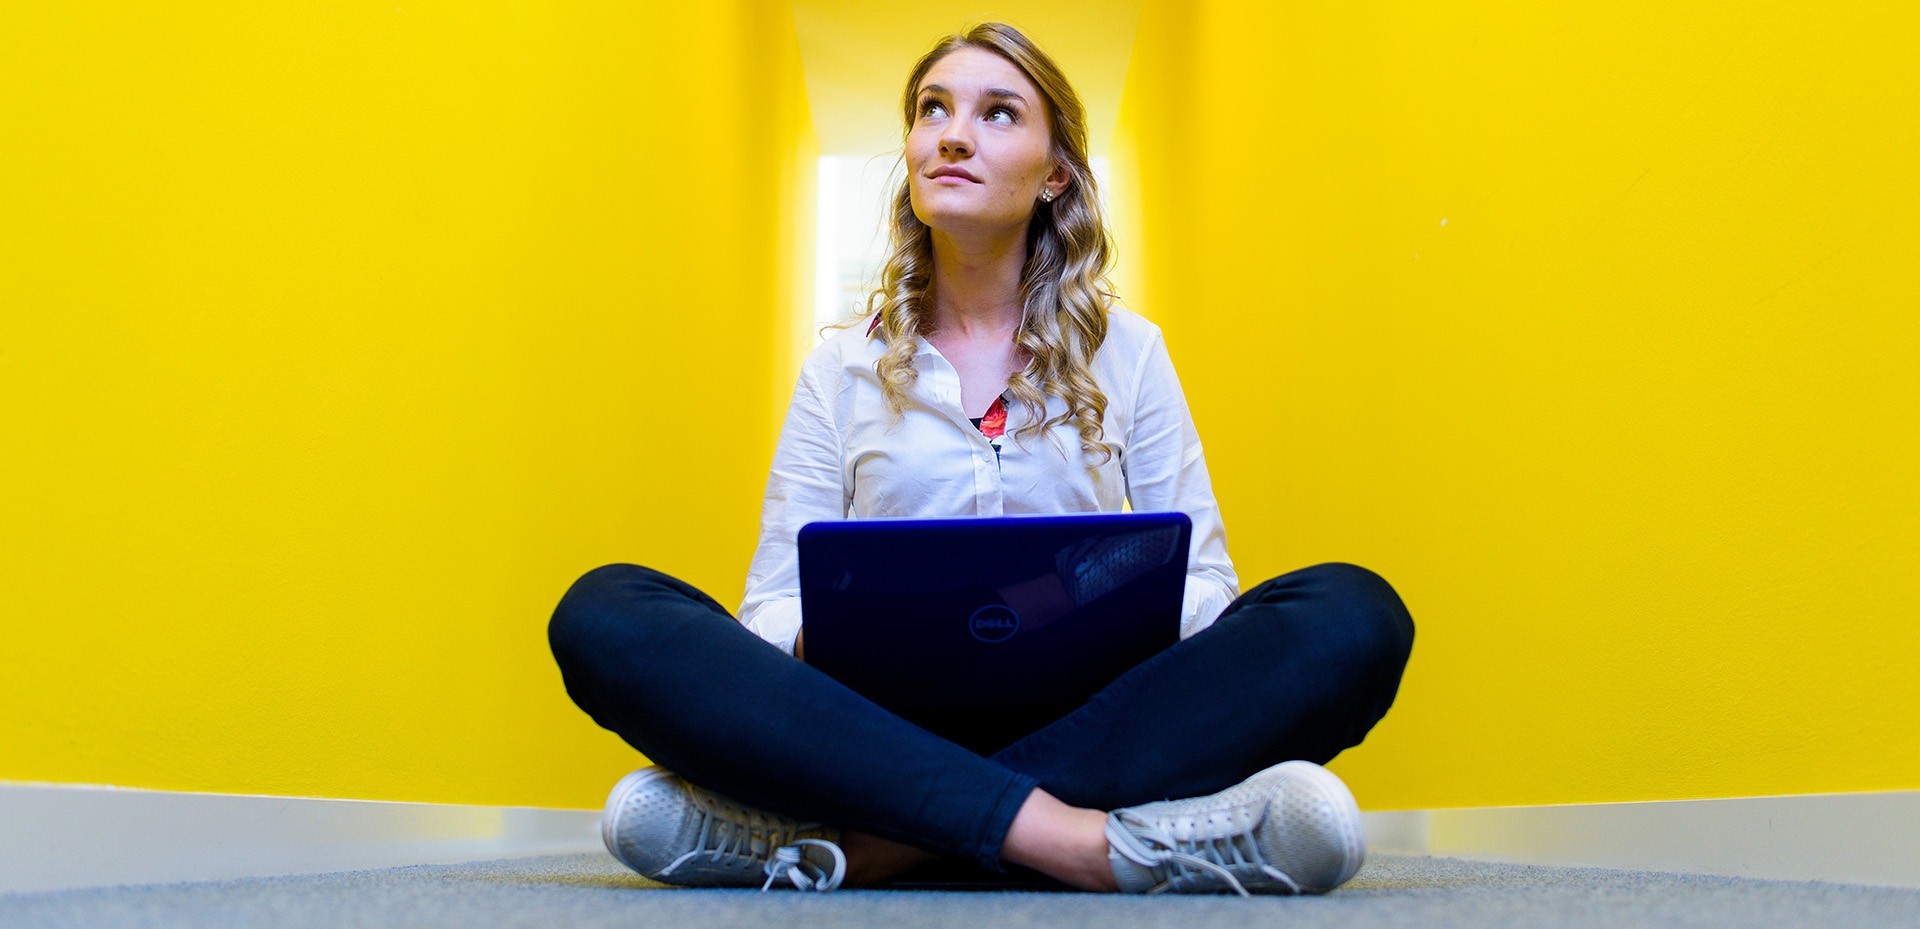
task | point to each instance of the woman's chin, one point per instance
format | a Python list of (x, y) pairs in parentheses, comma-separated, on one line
[(971, 225)]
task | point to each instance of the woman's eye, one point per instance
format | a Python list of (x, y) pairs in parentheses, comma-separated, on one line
[(929, 108)]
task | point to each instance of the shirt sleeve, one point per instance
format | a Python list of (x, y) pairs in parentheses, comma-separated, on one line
[(804, 485), (1166, 471)]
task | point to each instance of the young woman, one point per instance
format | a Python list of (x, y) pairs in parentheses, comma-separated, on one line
[(991, 309)]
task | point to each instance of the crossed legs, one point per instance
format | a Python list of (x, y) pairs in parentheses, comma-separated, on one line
[(1301, 666)]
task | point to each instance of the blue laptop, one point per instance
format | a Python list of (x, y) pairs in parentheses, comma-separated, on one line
[(982, 629)]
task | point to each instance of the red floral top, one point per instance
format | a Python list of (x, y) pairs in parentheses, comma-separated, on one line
[(994, 424)]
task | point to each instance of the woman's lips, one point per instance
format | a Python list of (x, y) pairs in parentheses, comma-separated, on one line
[(952, 179)]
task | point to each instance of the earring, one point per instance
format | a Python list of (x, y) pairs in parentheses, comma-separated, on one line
[(1046, 196)]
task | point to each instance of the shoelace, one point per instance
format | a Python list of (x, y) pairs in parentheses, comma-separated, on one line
[(731, 833), (1180, 850), (788, 857)]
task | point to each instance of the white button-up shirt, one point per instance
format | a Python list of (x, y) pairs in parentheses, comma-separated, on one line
[(837, 458)]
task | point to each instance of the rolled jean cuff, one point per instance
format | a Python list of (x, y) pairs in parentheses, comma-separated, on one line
[(1000, 819)]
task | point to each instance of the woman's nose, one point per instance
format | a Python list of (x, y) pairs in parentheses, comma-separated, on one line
[(955, 141)]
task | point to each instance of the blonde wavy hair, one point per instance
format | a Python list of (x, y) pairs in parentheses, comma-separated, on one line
[(1063, 285)]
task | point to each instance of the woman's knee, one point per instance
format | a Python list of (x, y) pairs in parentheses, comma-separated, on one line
[(581, 622), (1371, 610)]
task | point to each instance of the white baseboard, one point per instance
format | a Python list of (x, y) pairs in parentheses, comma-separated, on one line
[(1859, 838), (58, 836)]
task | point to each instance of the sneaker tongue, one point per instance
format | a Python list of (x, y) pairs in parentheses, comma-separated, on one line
[(1134, 863), (1132, 877)]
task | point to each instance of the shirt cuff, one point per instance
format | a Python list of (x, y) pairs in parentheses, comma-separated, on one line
[(1204, 603), (778, 622)]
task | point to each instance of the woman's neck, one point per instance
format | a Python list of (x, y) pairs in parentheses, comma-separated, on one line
[(976, 286)]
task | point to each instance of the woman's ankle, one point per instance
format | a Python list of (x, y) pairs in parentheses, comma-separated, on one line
[(1064, 842)]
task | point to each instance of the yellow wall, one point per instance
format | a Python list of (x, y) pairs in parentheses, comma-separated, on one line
[(1591, 327), (338, 340), (335, 342)]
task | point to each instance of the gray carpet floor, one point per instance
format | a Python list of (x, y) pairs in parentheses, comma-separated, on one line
[(590, 890)]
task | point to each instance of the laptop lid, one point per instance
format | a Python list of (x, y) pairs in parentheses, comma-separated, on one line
[(983, 629)]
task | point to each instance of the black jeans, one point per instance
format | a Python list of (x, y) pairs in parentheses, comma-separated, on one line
[(1301, 666)]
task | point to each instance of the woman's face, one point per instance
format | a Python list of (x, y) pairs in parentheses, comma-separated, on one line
[(978, 114)]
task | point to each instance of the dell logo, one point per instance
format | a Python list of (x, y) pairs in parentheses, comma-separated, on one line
[(993, 623)]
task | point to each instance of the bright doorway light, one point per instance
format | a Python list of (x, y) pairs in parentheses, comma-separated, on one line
[(850, 244)]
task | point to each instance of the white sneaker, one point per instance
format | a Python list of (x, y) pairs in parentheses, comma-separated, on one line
[(1293, 828), (671, 831)]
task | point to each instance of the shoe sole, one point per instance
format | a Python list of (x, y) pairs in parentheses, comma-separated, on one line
[(1353, 841), (618, 799)]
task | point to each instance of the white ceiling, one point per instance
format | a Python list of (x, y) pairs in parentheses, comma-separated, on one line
[(857, 54)]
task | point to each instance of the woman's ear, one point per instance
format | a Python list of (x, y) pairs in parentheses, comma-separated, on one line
[(1060, 179)]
